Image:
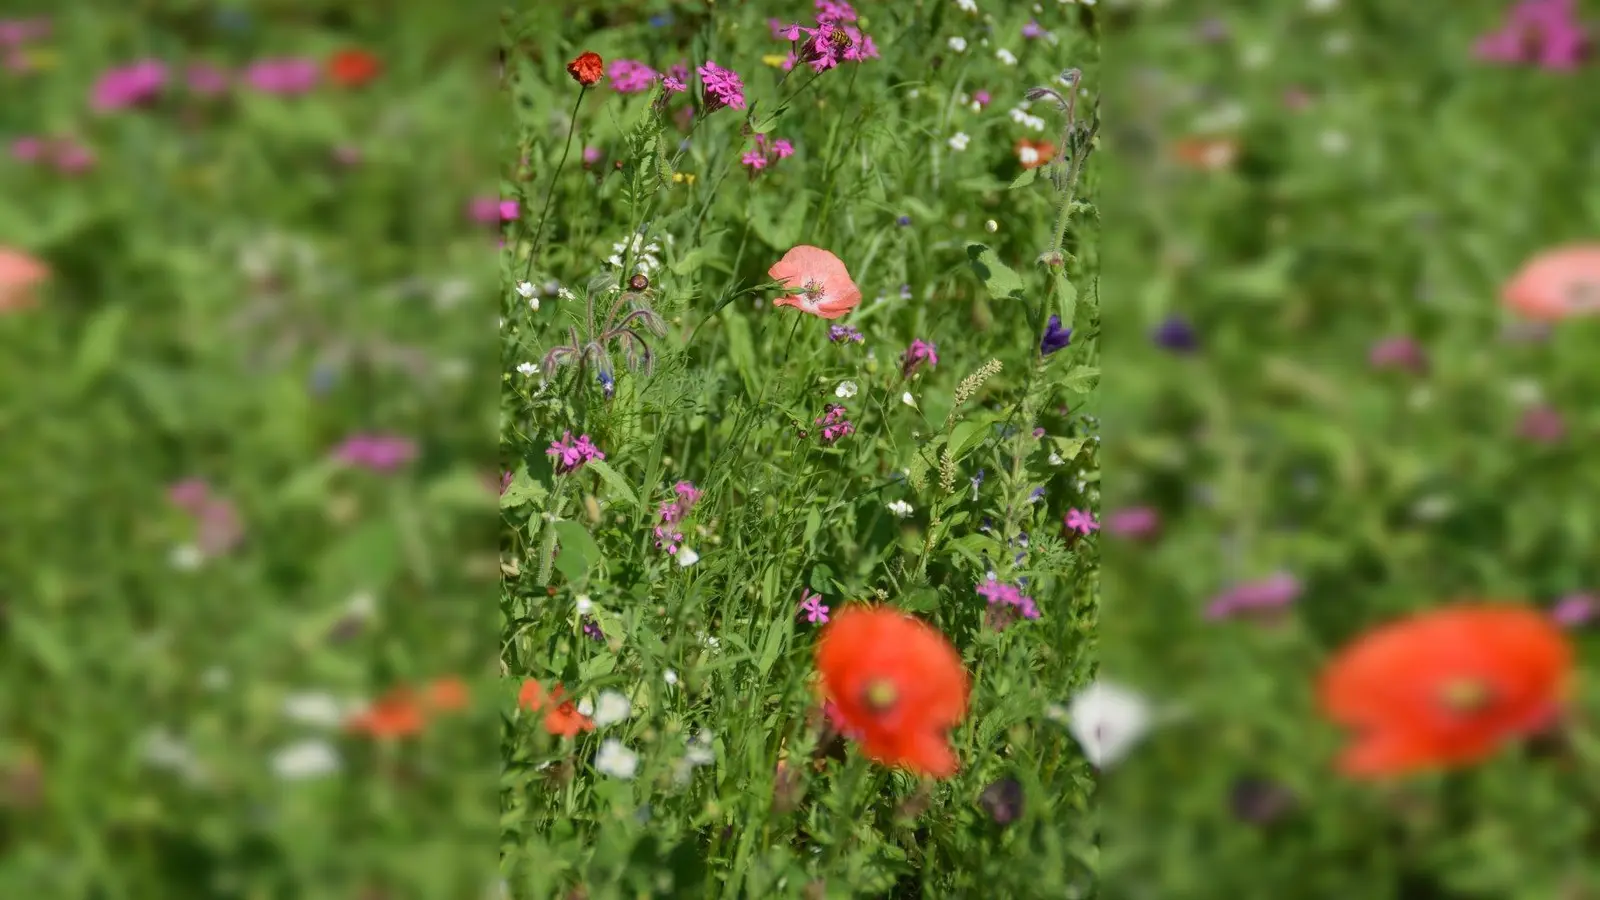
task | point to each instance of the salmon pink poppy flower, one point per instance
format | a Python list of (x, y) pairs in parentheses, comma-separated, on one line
[(1558, 284), (396, 715), (20, 274), (895, 684), (823, 284), (1446, 687)]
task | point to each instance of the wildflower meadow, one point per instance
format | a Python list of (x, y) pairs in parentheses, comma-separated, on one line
[(654, 449)]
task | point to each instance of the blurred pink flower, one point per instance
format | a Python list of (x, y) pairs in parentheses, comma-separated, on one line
[(1542, 424), (1400, 352), (128, 86), (206, 80), (1575, 610), (1271, 593), (1133, 522), (378, 452), (28, 149), (72, 158), (285, 76)]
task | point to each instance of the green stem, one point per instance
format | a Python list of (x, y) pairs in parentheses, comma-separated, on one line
[(572, 131)]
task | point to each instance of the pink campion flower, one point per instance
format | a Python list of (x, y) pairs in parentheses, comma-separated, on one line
[(981, 98), (1032, 29), (1575, 610), (206, 80), (673, 85), (920, 352), (860, 47), (1268, 594), (570, 455), (219, 528), (509, 210), (688, 495), (723, 88), (72, 158), (378, 452), (834, 424), (834, 11), (782, 149), (629, 76), (1080, 521), (485, 210), (28, 149), (1133, 522), (1006, 602), (591, 155), (754, 160), (190, 494), (505, 480), (811, 604), (1546, 33), (128, 86), (818, 282), (283, 76), (16, 32), (1543, 425), (20, 277)]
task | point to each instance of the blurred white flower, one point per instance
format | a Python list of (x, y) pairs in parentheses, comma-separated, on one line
[(845, 390), (586, 707), (187, 557), (699, 752), (305, 759), (1006, 56), (958, 44), (1107, 720), (314, 708), (970, 6), (1055, 459), (583, 604), (1334, 142), (611, 708), (1322, 6), (908, 400), (1255, 56), (959, 141), (527, 368), (1336, 44), (687, 557), (1021, 116), (525, 288), (644, 257), (162, 749), (900, 508), (616, 760), (670, 677)]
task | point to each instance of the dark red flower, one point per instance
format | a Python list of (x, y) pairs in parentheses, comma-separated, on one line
[(353, 68)]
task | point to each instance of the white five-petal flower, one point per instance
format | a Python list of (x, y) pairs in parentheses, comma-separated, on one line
[(616, 760), (1107, 720)]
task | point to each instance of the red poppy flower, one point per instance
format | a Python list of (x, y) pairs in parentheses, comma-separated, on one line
[(586, 69), (897, 686), (1444, 688), (561, 717), (354, 68), (395, 715), (531, 696)]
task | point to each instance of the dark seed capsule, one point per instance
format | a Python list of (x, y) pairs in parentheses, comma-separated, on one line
[(639, 282)]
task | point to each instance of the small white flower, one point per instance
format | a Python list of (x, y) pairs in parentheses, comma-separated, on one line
[(584, 604), (1421, 398), (913, 93), (1107, 720), (711, 642), (1055, 459), (670, 677), (1524, 392), (908, 400), (586, 707), (533, 303), (527, 368), (900, 508), (845, 390), (1028, 155), (314, 708), (699, 752), (1006, 56), (564, 294), (610, 708), (687, 557), (616, 760), (970, 6), (362, 604), (1021, 116), (525, 288), (187, 557), (959, 141), (305, 759), (991, 226), (958, 44)]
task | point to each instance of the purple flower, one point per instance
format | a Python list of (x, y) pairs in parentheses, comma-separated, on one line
[(16, 32), (811, 605), (1006, 602), (1176, 334), (378, 452), (903, 221), (569, 455), (1032, 30), (591, 155), (129, 86), (206, 80), (1575, 610), (722, 87), (837, 333), (1274, 592), (505, 480), (916, 355), (1055, 337), (834, 424), (981, 98), (284, 76), (629, 76), (1080, 521)]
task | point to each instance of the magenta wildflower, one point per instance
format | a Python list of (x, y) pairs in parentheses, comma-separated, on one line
[(591, 155), (28, 149), (837, 333), (284, 76), (1543, 425), (1006, 602), (688, 494), (1398, 353), (218, 527), (72, 158), (1133, 522), (1080, 521), (834, 424), (16, 32), (672, 512), (1575, 610), (722, 87), (918, 353), (509, 210), (629, 76), (811, 604), (1271, 593), (834, 11), (766, 153), (378, 452), (505, 480), (1545, 33), (569, 455), (129, 86), (676, 79), (1032, 30), (981, 98), (754, 160)]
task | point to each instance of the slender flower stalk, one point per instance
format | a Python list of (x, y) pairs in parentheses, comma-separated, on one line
[(538, 232)]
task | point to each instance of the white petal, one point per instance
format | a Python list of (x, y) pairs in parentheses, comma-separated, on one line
[(611, 708)]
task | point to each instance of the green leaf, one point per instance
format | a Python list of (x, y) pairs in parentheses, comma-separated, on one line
[(740, 348), (522, 489), (1002, 282), (611, 477), (780, 228), (690, 262), (101, 342), (772, 644), (1066, 300), (968, 435), (578, 550), (1080, 378), (1026, 178), (813, 524)]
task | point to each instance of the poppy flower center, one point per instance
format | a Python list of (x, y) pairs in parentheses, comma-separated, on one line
[(1467, 696), (880, 695), (1583, 294), (813, 291)]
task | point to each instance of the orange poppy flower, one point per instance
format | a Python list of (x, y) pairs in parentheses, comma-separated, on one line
[(531, 696), (824, 285), (1446, 687), (20, 274), (897, 686), (354, 68), (448, 694), (1033, 154), (586, 69), (1558, 284), (395, 715), (562, 717), (1208, 154)]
